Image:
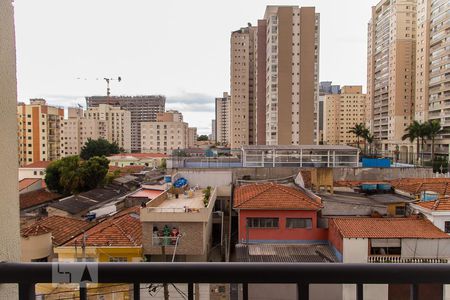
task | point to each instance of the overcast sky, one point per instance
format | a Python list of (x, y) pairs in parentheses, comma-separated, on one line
[(177, 48)]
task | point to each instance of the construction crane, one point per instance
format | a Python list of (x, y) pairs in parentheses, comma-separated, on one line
[(108, 80), (108, 90)]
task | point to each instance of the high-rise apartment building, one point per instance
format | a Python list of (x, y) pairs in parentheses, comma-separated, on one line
[(105, 121), (432, 94), (243, 86), (142, 109), (325, 88), (341, 112), (274, 78), (39, 131), (391, 72), (292, 56), (223, 119), (167, 134), (212, 136), (192, 137)]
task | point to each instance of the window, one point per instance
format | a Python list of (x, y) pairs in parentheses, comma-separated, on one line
[(298, 223), (118, 259), (262, 222), (447, 226), (400, 211)]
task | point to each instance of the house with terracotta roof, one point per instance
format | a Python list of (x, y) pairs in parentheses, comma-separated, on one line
[(31, 184), (36, 199), (437, 211), (116, 239), (389, 240), (275, 213), (34, 170), (39, 238)]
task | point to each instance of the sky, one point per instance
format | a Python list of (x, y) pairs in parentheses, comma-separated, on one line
[(176, 48)]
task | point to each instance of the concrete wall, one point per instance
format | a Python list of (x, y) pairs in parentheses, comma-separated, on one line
[(29, 173), (36, 247), (380, 173), (9, 196)]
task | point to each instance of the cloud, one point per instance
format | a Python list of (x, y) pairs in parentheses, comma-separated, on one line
[(191, 102)]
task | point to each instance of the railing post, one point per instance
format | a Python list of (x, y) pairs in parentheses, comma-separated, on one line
[(136, 291), (83, 291), (245, 291), (27, 291), (302, 291), (359, 291), (190, 291), (414, 292)]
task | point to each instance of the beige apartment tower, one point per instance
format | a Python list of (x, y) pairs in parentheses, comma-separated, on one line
[(167, 134), (223, 119), (39, 131), (292, 57), (341, 112), (243, 86), (391, 73)]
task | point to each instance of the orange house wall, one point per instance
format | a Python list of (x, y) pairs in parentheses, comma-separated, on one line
[(281, 233)]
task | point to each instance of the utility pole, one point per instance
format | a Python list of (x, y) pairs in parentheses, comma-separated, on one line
[(166, 288)]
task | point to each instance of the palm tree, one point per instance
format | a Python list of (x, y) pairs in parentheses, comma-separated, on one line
[(369, 137), (413, 133), (358, 130), (432, 129)]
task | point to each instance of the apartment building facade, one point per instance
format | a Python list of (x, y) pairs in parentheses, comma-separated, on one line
[(39, 131), (341, 112), (167, 134), (223, 119), (243, 86), (325, 88), (192, 137), (391, 72), (432, 94), (142, 109), (292, 55)]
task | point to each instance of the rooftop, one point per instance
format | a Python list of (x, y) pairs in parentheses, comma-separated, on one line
[(38, 165), (147, 193), (62, 228), (284, 253), (136, 156), (26, 182), (436, 205), (78, 203), (192, 201), (387, 228), (418, 185), (273, 196), (127, 169), (38, 197), (123, 229)]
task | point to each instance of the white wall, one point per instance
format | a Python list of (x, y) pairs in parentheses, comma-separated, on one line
[(356, 251), (29, 173), (204, 178)]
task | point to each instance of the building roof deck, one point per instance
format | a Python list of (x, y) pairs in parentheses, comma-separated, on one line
[(184, 203)]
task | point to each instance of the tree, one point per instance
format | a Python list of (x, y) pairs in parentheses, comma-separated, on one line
[(369, 137), (72, 175), (432, 129), (202, 138), (100, 147), (414, 132), (358, 130)]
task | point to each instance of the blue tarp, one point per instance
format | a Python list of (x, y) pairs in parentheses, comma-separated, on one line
[(376, 162)]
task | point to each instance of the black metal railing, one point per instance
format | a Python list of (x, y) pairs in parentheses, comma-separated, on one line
[(26, 275)]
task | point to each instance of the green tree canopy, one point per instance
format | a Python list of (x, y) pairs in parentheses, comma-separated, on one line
[(73, 175), (202, 138), (100, 147)]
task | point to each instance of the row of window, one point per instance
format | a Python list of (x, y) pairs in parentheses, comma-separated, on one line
[(274, 223)]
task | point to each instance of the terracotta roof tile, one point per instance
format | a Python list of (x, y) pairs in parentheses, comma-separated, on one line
[(273, 196), (38, 197), (123, 230), (26, 182), (437, 205), (418, 185), (62, 228), (140, 155), (127, 169), (387, 228), (38, 165)]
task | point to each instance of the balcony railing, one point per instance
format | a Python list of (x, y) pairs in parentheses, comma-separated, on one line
[(301, 274), (401, 260)]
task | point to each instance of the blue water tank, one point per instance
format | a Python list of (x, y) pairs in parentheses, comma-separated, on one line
[(167, 179), (384, 186), (368, 187)]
